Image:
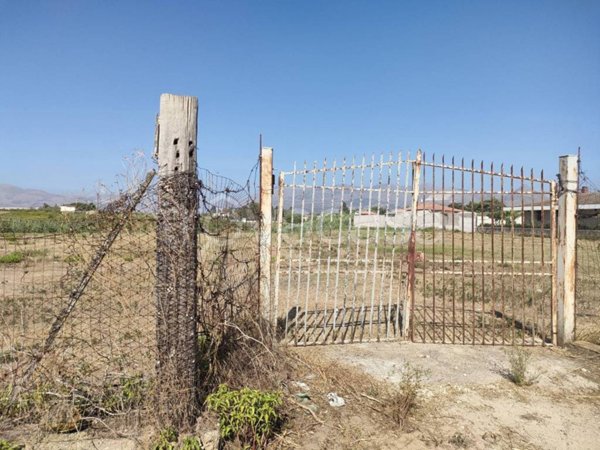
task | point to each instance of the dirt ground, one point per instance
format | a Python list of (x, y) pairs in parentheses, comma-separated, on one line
[(466, 401), (469, 402)]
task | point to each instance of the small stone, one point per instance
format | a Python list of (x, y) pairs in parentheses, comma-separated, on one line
[(210, 440)]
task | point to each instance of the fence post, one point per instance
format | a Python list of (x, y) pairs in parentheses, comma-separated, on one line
[(411, 256), (266, 212), (567, 242), (176, 260)]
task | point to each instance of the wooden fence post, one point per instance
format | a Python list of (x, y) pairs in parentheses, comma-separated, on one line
[(266, 208), (567, 243), (176, 260), (411, 256)]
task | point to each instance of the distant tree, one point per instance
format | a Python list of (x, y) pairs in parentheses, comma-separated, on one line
[(83, 206), (494, 209), (47, 207), (345, 209), (378, 210), (250, 211)]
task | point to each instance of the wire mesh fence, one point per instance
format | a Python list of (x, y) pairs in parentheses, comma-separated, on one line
[(102, 362), (587, 295)]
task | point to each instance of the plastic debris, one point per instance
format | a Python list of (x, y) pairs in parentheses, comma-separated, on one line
[(335, 400)]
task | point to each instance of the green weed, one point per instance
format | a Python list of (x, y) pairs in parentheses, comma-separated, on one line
[(167, 440), (12, 258), (191, 443), (7, 445), (404, 398), (247, 414), (518, 373)]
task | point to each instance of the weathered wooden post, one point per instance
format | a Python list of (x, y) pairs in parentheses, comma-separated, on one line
[(176, 260), (266, 208), (412, 250), (566, 253)]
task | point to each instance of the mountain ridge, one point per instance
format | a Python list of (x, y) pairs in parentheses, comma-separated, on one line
[(12, 196)]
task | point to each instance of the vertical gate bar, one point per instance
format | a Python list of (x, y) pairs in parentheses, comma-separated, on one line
[(543, 254), (376, 247), (553, 250), (300, 252), (493, 264), (339, 243), (394, 320), (462, 238), (433, 213), (381, 310), (423, 239), (452, 173), (522, 181), (502, 278), (332, 170), (320, 322), (482, 234), (367, 242), (280, 200), (291, 254), (385, 262), (474, 216), (309, 260), (443, 249), (407, 166), (408, 319), (532, 263), (358, 239), (349, 245), (512, 252)]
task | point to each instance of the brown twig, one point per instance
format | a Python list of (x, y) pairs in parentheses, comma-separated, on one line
[(312, 413)]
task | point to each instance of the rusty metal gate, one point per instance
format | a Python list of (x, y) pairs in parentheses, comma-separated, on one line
[(427, 250)]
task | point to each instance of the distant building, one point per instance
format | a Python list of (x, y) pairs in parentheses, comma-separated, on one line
[(428, 215), (538, 213), (67, 209)]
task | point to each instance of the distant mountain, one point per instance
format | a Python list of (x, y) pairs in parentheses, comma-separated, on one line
[(16, 197)]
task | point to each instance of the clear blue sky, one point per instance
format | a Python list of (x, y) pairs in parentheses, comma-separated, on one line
[(509, 81)]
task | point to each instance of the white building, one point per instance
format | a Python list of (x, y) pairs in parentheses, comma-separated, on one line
[(428, 215)]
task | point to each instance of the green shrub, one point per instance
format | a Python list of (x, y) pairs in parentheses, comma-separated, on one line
[(167, 440), (404, 398), (191, 443), (247, 414), (518, 359), (7, 445), (12, 258), (128, 394)]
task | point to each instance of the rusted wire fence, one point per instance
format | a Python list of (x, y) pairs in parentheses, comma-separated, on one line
[(101, 365)]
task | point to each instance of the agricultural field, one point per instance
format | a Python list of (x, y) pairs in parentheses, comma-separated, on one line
[(106, 350)]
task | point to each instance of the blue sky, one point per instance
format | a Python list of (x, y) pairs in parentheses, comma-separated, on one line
[(505, 81)]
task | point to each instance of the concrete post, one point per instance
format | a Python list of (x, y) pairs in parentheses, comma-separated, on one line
[(566, 252), (266, 208), (176, 261)]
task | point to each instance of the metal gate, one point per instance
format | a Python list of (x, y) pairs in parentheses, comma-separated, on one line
[(395, 246)]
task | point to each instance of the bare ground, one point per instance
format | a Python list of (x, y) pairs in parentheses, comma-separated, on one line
[(467, 401)]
